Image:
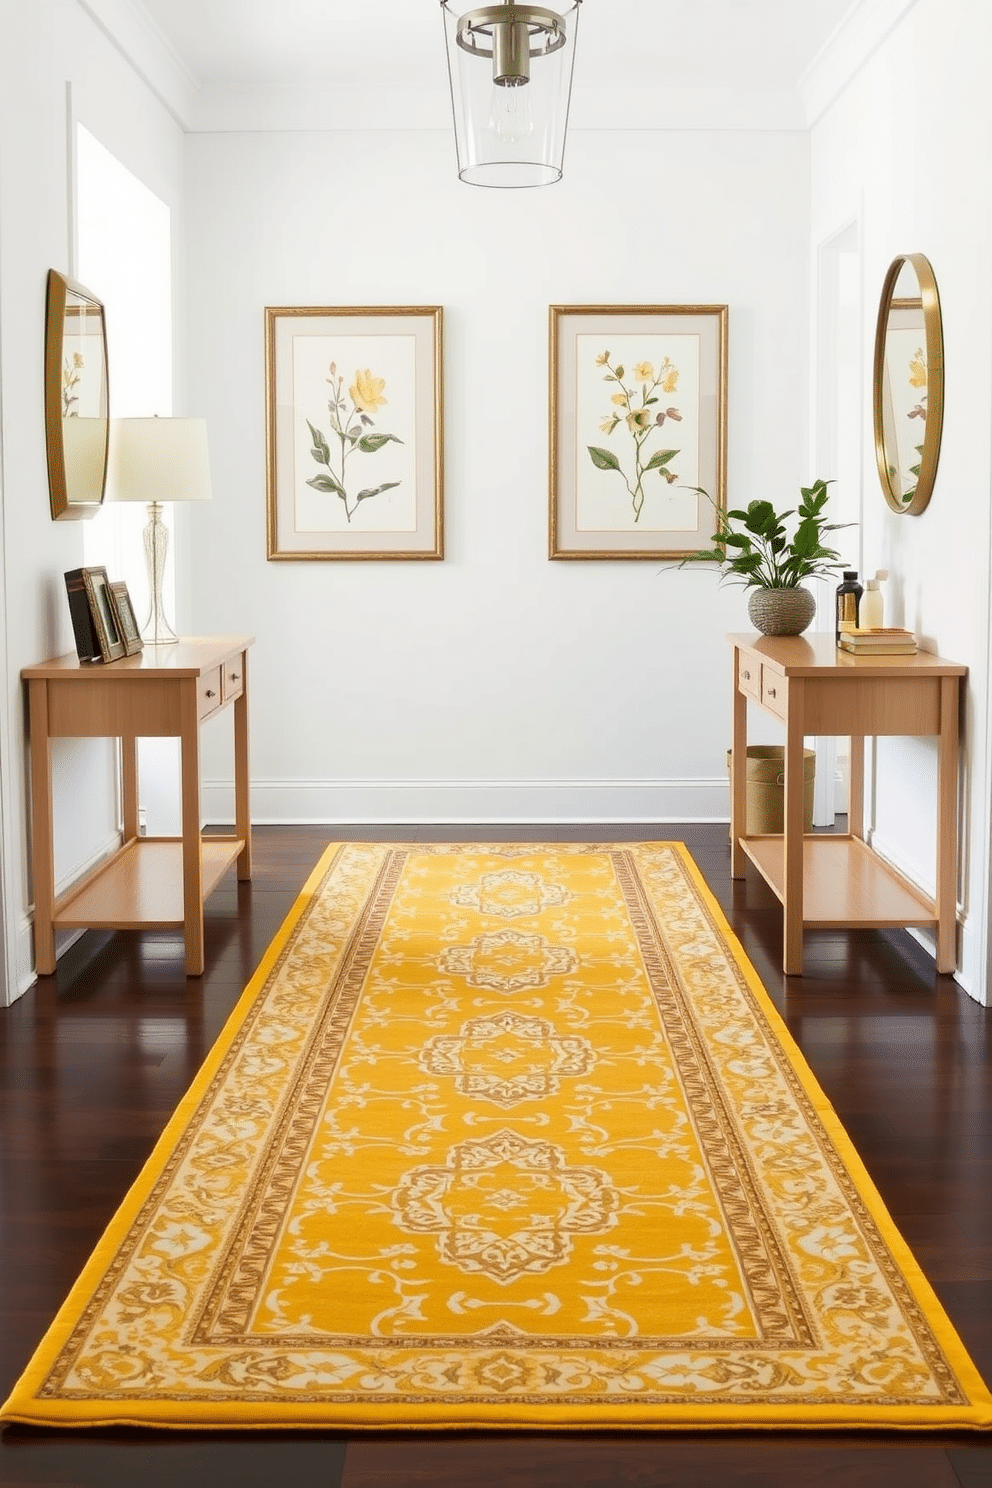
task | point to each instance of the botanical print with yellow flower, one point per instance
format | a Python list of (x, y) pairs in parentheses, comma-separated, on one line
[(72, 370), (904, 408), (918, 382), (637, 406), (637, 431), (352, 423)]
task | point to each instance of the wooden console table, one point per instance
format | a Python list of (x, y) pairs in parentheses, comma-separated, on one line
[(149, 883), (831, 880)]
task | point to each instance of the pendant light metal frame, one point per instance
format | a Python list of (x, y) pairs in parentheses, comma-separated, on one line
[(539, 21), (510, 122)]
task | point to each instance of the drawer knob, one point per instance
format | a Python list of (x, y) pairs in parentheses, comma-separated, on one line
[(746, 676), (771, 692), (235, 676), (210, 692)]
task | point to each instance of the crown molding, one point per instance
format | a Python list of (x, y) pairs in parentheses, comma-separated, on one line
[(131, 31), (221, 110), (858, 36)]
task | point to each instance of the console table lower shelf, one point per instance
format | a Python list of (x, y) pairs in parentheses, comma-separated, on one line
[(141, 886), (845, 884)]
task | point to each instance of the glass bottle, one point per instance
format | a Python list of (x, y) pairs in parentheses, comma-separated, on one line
[(848, 597)]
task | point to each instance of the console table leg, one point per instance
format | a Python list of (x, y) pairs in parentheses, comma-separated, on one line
[(242, 809), (856, 787), (792, 847), (738, 778), (947, 817), (43, 856), (192, 851), (129, 785)]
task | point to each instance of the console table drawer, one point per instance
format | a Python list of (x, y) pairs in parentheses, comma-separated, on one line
[(232, 682), (774, 692), (749, 678), (208, 693)]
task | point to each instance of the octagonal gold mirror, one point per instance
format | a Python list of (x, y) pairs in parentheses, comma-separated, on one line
[(908, 392), (77, 423)]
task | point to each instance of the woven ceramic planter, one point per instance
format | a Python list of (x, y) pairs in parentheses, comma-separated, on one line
[(781, 611)]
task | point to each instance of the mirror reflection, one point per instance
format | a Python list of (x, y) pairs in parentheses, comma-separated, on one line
[(76, 394), (908, 384)]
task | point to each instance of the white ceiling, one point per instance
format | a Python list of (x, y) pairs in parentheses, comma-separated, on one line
[(641, 50)]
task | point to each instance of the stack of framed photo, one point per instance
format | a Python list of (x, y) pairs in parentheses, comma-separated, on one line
[(103, 620)]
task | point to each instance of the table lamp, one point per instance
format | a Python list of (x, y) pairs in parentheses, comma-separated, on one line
[(156, 460)]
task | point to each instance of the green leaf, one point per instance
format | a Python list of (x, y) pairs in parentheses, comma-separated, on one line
[(364, 495), (369, 443), (603, 459), (321, 449), (328, 484), (662, 457)]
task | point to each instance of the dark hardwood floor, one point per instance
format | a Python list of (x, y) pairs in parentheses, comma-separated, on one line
[(94, 1059)]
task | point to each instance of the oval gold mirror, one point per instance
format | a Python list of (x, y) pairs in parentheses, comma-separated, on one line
[(908, 394)]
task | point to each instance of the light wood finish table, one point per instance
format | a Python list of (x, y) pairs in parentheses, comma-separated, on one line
[(831, 880), (150, 883)]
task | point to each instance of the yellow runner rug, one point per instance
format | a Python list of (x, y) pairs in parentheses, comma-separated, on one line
[(503, 1136)]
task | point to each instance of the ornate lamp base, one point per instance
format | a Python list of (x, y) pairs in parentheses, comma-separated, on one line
[(156, 630)]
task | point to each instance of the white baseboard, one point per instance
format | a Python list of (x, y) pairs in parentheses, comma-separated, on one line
[(25, 974), (888, 851), (416, 802)]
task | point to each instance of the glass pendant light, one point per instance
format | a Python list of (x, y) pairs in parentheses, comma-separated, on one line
[(510, 68)]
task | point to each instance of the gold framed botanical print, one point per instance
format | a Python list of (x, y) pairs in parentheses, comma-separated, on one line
[(638, 429), (354, 432)]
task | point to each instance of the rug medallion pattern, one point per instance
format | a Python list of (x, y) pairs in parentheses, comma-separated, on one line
[(503, 1135)]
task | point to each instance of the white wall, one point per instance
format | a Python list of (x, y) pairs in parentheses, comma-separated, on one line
[(45, 46), (495, 685), (899, 149)]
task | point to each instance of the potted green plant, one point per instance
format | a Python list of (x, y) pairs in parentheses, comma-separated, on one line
[(753, 548)]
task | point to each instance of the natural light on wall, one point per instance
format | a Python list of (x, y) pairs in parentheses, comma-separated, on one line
[(124, 256)]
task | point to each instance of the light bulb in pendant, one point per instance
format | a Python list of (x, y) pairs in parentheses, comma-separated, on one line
[(511, 118)]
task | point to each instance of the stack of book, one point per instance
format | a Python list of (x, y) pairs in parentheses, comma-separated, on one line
[(890, 641)]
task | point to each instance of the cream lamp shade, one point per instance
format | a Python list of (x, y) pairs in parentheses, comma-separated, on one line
[(156, 460)]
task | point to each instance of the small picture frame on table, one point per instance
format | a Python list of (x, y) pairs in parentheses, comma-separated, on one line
[(127, 625), (101, 604)]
